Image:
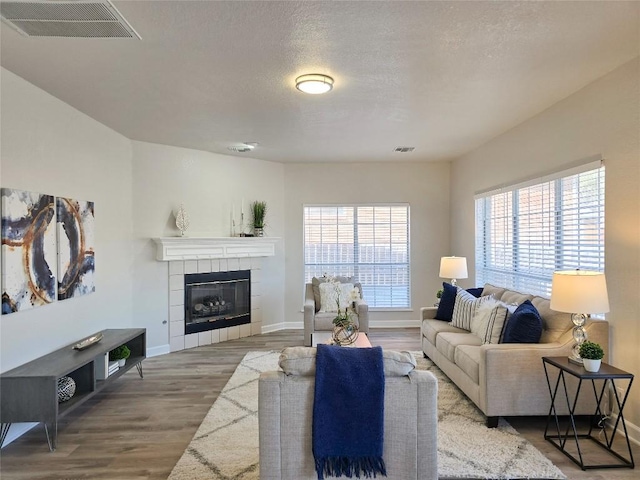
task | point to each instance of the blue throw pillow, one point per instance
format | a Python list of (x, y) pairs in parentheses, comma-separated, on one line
[(447, 301), (524, 325), (476, 292)]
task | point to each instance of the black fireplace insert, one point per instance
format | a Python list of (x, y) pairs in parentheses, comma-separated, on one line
[(216, 300)]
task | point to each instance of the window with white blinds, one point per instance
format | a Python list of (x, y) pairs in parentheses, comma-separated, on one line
[(367, 242), (525, 233)]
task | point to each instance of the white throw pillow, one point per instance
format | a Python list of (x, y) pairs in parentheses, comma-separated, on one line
[(465, 308), (329, 295), (489, 320)]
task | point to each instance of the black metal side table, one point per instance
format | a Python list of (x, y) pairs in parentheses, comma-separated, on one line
[(608, 375)]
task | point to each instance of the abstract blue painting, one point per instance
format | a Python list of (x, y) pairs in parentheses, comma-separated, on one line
[(28, 250), (76, 249)]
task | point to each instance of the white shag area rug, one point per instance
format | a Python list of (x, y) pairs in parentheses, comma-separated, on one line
[(225, 446)]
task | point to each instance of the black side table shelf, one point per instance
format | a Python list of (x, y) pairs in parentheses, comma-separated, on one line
[(28, 393), (608, 375)]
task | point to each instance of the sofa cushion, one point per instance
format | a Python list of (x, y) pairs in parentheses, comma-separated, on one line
[(323, 321), (447, 301), (554, 324), (465, 308), (315, 286), (496, 292), (524, 325), (431, 328), (488, 321), (468, 359), (331, 294), (446, 342), (301, 361), (511, 297), (476, 292)]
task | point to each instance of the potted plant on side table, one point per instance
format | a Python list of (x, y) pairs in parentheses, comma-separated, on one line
[(120, 354), (591, 354)]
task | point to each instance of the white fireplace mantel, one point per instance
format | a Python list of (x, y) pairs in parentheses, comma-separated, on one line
[(190, 248)]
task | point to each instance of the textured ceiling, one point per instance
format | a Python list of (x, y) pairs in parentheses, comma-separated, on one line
[(444, 77)]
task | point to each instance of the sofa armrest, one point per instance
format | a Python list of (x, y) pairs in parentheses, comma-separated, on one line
[(362, 309), (269, 433), (428, 312), (309, 309), (519, 365)]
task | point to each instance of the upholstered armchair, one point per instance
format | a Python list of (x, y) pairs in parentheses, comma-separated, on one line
[(316, 321)]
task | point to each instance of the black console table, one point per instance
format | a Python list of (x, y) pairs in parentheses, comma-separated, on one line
[(608, 375), (29, 393)]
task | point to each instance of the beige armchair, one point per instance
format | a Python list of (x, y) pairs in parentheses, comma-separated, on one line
[(316, 321), (285, 406)]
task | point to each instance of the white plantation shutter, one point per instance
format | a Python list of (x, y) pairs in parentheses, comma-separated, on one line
[(526, 232), (368, 242)]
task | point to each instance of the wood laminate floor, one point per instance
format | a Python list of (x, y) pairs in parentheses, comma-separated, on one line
[(139, 428)]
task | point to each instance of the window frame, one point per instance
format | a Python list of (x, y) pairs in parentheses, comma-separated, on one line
[(355, 206), (579, 206)]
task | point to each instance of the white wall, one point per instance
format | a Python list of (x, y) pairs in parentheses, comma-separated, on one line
[(208, 185), (425, 186), (49, 147), (602, 118)]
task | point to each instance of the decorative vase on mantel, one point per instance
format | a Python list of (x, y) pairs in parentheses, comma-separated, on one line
[(258, 231), (182, 220)]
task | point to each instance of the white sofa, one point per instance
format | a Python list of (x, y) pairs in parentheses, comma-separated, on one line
[(507, 379)]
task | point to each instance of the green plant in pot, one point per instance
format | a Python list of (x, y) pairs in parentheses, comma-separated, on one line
[(591, 354), (258, 214), (120, 354)]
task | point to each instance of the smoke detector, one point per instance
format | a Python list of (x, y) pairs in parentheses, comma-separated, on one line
[(404, 149), (243, 147), (68, 19)]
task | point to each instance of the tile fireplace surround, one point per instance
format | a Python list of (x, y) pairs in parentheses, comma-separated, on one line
[(204, 255)]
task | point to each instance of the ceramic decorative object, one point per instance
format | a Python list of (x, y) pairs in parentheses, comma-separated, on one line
[(182, 220), (66, 389), (591, 365)]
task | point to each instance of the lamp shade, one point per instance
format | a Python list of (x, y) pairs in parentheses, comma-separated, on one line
[(453, 267), (579, 291), (314, 83)]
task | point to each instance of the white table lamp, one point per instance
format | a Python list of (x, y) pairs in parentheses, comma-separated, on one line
[(579, 291), (453, 268)]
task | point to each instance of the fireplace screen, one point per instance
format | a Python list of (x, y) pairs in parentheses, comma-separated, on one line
[(217, 300)]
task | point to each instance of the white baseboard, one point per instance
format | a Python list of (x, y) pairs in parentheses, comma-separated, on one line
[(276, 327), (373, 324), (19, 429), (160, 350), (633, 430), (394, 323)]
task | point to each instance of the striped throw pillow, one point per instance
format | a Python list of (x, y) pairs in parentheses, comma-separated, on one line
[(489, 320), (465, 308)]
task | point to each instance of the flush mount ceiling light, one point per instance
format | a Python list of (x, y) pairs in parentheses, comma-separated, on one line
[(314, 83)]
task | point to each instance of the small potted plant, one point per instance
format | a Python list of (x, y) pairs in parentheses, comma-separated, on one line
[(591, 354), (258, 212), (438, 296), (120, 354)]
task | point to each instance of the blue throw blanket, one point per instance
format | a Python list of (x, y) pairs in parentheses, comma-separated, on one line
[(348, 412)]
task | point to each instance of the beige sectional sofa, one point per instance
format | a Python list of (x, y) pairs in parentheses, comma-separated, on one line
[(507, 379)]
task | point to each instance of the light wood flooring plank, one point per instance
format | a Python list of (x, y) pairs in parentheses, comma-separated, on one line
[(137, 429)]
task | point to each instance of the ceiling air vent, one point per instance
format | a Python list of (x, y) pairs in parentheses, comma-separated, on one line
[(69, 19), (404, 149)]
